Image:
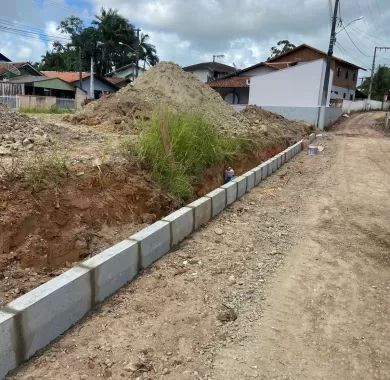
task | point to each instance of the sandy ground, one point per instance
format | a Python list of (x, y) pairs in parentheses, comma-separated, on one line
[(291, 282)]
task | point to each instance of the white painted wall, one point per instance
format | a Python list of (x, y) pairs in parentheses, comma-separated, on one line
[(296, 86), (202, 75), (338, 93), (364, 105)]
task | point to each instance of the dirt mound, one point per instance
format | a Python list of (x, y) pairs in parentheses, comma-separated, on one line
[(168, 85), (20, 133), (274, 125), (163, 85)]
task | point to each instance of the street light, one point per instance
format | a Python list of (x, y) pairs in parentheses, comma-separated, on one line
[(123, 44)]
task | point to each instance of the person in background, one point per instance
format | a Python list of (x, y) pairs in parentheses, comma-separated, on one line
[(229, 174)]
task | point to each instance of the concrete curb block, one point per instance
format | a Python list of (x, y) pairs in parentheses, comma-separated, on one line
[(241, 185), (312, 137), (218, 201), (154, 242), (231, 192), (258, 174), (202, 211), (113, 268), (250, 180), (33, 320), (182, 224)]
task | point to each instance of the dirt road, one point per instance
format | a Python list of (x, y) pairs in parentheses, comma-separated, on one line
[(292, 282)]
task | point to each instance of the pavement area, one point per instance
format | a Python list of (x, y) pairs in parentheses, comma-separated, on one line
[(291, 282)]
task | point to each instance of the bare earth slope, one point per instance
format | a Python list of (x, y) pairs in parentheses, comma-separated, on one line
[(292, 282)]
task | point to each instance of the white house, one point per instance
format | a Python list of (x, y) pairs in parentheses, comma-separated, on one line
[(209, 71)]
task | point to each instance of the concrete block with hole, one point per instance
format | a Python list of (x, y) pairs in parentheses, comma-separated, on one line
[(202, 211), (182, 224), (218, 201), (250, 180), (231, 192), (50, 309), (154, 242), (11, 340), (113, 268), (241, 186)]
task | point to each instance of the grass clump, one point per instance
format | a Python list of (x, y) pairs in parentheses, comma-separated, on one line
[(46, 171), (52, 110), (178, 147)]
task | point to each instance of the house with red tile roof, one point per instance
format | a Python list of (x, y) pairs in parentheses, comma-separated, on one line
[(101, 85)]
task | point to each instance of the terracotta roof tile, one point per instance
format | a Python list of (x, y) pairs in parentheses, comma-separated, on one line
[(67, 76), (232, 82)]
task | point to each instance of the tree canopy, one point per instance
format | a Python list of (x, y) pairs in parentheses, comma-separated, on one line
[(111, 40), (380, 84), (283, 46)]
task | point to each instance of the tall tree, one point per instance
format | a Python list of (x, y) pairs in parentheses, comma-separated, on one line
[(281, 47), (108, 40), (380, 84), (148, 52)]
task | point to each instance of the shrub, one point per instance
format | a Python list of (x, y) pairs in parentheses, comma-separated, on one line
[(47, 170), (178, 147)]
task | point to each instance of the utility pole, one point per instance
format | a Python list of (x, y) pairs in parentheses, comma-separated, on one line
[(80, 71), (332, 41), (91, 82), (373, 68), (137, 52)]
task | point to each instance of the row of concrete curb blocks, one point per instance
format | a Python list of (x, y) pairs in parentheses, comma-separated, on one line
[(35, 319)]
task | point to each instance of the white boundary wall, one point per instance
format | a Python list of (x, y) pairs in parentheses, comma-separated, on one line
[(35, 319), (364, 105)]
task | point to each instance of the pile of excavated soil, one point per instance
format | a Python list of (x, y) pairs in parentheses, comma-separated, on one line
[(20, 133), (165, 85), (274, 126)]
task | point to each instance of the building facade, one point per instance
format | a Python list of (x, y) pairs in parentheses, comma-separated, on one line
[(345, 73)]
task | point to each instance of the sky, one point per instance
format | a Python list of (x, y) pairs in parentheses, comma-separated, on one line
[(192, 31)]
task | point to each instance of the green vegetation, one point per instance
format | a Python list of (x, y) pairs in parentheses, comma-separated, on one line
[(380, 84), (110, 39), (281, 47), (51, 110), (178, 147), (47, 170)]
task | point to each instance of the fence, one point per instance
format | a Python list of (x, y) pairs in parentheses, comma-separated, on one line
[(32, 101), (364, 105), (11, 101)]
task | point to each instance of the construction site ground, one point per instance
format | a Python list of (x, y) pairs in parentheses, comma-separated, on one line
[(290, 282)]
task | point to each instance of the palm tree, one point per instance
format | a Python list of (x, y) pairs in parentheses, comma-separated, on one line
[(148, 52), (113, 28)]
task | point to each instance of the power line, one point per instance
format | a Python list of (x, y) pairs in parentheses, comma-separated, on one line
[(349, 54), (357, 47), (29, 29)]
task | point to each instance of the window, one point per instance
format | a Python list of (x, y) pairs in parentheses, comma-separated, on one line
[(354, 76), (346, 74), (345, 95), (351, 97), (338, 71)]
